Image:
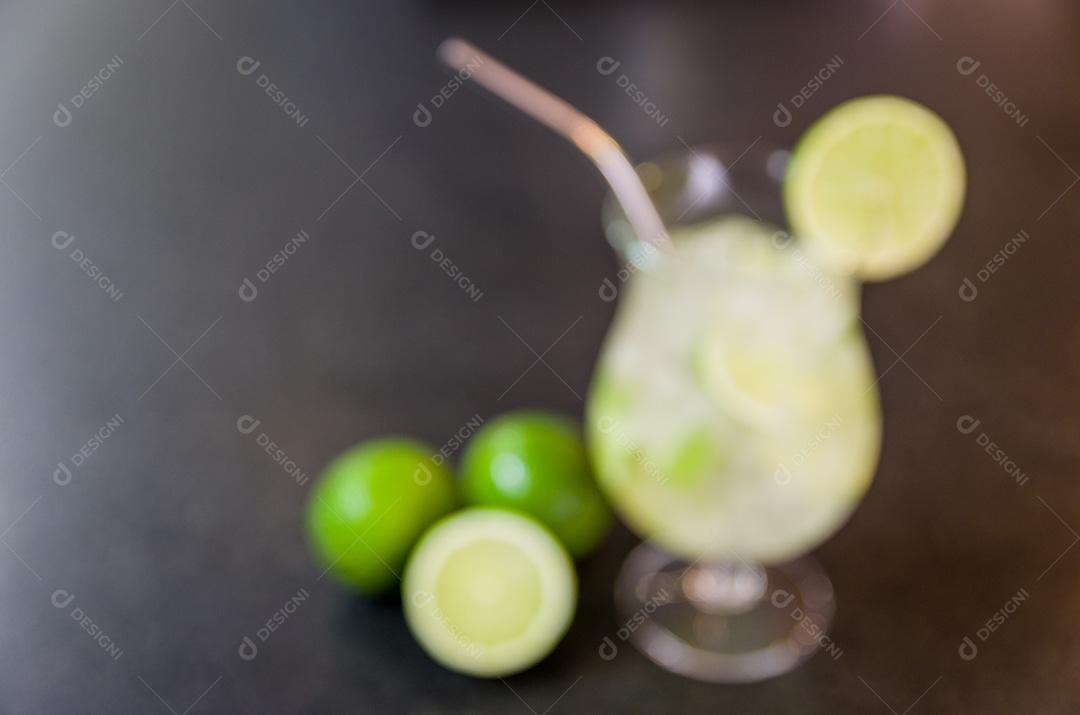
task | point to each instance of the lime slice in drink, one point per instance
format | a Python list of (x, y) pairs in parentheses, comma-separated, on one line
[(875, 186), (762, 385), (489, 592)]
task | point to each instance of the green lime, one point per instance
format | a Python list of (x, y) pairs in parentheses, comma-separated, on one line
[(875, 186), (370, 506), (536, 462), (489, 592)]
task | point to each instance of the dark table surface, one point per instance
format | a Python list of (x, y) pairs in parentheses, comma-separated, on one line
[(177, 177)]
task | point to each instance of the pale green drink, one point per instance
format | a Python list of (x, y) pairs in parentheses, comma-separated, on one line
[(734, 412)]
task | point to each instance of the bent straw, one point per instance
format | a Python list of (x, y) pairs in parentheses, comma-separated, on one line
[(564, 119)]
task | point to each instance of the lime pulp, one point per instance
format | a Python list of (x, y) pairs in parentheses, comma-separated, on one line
[(489, 592)]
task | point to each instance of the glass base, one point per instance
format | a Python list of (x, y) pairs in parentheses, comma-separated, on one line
[(724, 622)]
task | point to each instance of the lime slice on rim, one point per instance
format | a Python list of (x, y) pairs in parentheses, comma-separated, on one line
[(875, 186), (489, 592)]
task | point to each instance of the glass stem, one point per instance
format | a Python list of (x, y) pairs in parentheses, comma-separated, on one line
[(725, 587)]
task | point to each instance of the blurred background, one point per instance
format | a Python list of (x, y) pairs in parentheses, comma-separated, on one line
[(149, 185)]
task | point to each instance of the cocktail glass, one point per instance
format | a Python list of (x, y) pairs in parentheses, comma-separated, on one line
[(733, 420)]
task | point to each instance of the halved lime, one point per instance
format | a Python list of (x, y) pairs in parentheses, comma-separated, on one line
[(875, 186), (489, 592)]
